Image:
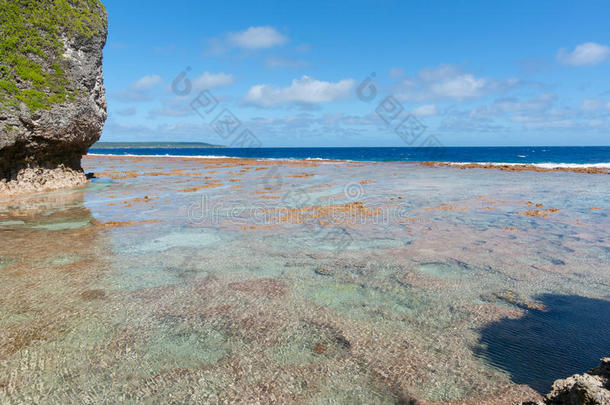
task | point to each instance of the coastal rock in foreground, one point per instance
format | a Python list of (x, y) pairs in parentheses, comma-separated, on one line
[(52, 96), (591, 388)]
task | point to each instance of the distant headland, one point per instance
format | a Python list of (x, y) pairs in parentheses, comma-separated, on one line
[(152, 145)]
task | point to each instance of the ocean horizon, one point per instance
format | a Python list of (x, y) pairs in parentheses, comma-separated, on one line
[(543, 156)]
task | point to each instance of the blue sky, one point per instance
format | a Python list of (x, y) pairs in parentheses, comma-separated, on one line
[(470, 73)]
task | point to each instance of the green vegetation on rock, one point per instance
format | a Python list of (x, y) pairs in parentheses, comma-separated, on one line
[(31, 48)]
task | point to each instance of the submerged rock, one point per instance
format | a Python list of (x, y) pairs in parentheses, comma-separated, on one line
[(325, 270), (591, 388), (52, 96)]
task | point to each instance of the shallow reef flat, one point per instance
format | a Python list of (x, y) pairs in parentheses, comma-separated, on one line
[(178, 280)]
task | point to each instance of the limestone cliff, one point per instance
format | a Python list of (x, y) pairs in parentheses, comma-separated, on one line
[(52, 96)]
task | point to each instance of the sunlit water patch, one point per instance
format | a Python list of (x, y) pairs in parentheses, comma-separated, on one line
[(447, 271)]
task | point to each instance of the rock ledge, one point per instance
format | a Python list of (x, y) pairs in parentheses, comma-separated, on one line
[(591, 388)]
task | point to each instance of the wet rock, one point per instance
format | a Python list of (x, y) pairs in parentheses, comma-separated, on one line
[(267, 287), (325, 270), (92, 295), (591, 388), (319, 349), (343, 341), (511, 297), (341, 266)]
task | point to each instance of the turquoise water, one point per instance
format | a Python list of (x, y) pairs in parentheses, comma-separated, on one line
[(311, 282)]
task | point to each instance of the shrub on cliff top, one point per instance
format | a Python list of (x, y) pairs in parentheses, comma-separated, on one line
[(31, 48)]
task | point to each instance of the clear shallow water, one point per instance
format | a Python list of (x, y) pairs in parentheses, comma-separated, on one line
[(318, 282), (593, 155)]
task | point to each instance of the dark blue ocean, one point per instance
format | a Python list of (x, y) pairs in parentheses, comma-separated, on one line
[(589, 155)]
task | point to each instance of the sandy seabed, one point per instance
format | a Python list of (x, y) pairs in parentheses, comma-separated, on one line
[(178, 280)]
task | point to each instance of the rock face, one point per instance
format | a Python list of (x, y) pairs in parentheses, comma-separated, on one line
[(591, 388), (52, 96)]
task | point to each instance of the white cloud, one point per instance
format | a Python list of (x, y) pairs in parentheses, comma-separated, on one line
[(281, 62), (539, 103), (396, 72), (448, 82), (257, 38), (595, 104), (181, 131), (305, 90), (212, 80), (585, 54), (127, 112), (439, 73), (544, 122), (510, 105), (325, 129), (460, 87), (541, 112), (142, 89), (147, 83), (139, 90), (179, 106), (592, 104), (455, 123), (175, 107), (303, 48), (425, 110)]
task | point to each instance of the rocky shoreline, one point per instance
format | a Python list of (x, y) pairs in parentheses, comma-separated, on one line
[(519, 167)]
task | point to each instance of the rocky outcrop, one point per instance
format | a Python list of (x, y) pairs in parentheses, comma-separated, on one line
[(591, 388), (52, 96)]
